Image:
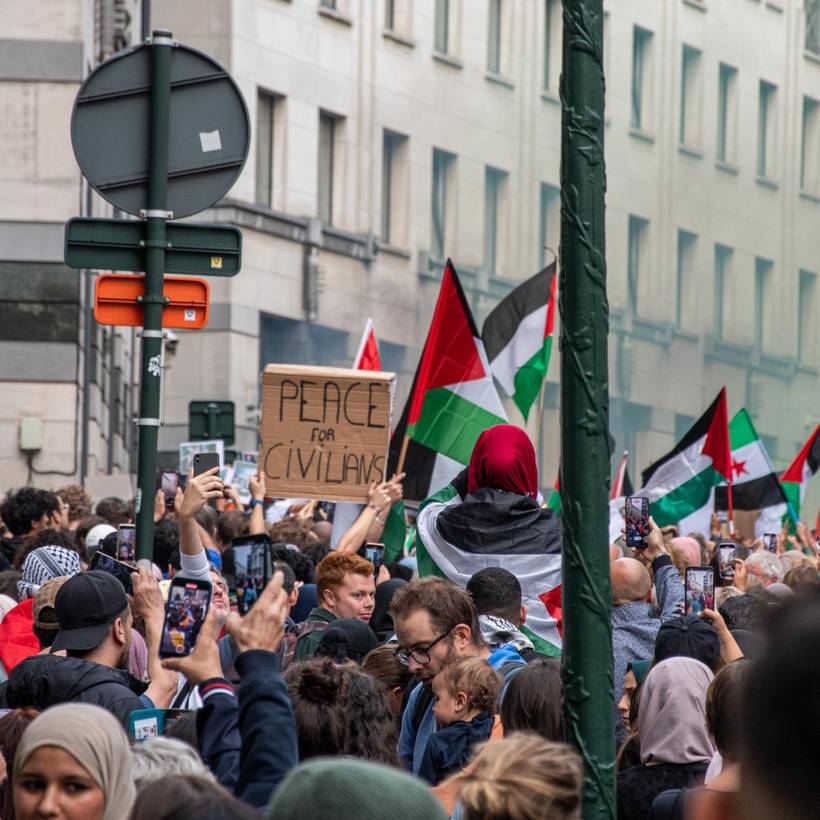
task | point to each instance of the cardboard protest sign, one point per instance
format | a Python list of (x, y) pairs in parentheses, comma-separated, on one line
[(324, 430)]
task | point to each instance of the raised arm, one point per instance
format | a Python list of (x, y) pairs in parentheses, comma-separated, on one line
[(668, 586), (371, 520), (198, 492)]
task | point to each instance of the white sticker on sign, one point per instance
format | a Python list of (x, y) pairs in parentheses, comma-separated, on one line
[(210, 141), (190, 314)]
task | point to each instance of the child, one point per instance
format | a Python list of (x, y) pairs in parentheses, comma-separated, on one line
[(466, 699)]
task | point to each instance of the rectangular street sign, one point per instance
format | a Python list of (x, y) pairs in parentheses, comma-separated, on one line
[(211, 420), (118, 244)]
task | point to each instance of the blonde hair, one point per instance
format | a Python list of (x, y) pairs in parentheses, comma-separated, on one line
[(522, 776), (477, 679)]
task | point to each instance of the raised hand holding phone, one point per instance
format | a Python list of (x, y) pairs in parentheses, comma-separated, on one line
[(189, 600), (203, 663), (199, 490)]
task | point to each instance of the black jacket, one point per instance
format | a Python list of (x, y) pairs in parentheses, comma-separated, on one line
[(46, 680)]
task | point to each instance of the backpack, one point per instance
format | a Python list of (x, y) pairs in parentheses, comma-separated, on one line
[(288, 648)]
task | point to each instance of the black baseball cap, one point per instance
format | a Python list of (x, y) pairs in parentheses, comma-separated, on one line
[(688, 636), (86, 606)]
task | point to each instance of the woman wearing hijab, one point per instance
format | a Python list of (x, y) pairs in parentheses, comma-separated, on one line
[(675, 745), (489, 517), (73, 762)]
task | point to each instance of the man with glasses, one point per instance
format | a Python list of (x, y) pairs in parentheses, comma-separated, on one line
[(436, 624)]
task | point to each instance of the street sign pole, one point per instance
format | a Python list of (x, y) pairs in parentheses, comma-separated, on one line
[(155, 244), (586, 593)]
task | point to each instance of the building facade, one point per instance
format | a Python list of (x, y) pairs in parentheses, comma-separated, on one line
[(389, 135)]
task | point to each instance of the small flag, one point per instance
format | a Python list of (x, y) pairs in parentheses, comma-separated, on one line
[(367, 357), (796, 476)]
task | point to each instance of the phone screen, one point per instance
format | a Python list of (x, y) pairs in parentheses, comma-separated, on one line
[(187, 606), (636, 517), (105, 563), (373, 552), (204, 462), (169, 481), (726, 560), (251, 569), (700, 589), (126, 542), (770, 541)]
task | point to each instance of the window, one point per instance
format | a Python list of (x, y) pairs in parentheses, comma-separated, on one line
[(443, 168), (394, 187), (641, 50), (264, 148), (390, 14), (442, 26), (723, 263), (552, 44), (685, 278), (636, 255), (327, 169), (727, 108), (690, 96), (495, 192), (549, 224), (765, 129), (807, 317), (328, 4), (812, 41), (809, 147), (494, 37), (763, 277)]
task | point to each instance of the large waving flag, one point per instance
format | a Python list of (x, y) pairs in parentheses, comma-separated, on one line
[(453, 399), (681, 482), (518, 338), (754, 481), (796, 476)]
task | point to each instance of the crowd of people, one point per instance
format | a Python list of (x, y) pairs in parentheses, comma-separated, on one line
[(349, 691)]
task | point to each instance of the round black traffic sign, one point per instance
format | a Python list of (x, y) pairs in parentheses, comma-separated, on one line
[(209, 130)]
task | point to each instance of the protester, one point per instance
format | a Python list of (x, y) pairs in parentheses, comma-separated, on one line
[(177, 797), (675, 747), (73, 761), (159, 757), (382, 664), (763, 570), (688, 636), (533, 701), (346, 589), (635, 621), (436, 624), (95, 631), (380, 622), (523, 777), (328, 789), (113, 510), (12, 726), (346, 639), (466, 695), (78, 502), (94, 537), (780, 718)]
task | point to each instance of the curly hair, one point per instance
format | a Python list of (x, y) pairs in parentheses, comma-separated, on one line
[(21, 509), (341, 710), (78, 500), (477, 679), (291, 531)]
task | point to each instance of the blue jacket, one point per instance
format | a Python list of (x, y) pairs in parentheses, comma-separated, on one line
[(412, 742)]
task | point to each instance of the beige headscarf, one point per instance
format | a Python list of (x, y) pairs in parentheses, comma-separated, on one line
[(96, 740), (672, 713)]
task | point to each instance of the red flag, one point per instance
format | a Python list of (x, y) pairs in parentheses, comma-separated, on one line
[(368, 356), (618, 485), (717, 445)]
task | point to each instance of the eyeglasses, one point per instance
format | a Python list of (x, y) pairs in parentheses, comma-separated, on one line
[(421, 655)]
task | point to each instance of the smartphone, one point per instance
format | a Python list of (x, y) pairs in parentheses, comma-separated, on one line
[(204, 462), (127, 542), (699, 589), (185, 611), (722, 516), (770, 541), (636, 517), (726, 552), (105, 563), (168, 483), (373, 552), (250, 571)]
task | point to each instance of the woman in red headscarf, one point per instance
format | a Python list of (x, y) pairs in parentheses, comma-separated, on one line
[(489, 517)]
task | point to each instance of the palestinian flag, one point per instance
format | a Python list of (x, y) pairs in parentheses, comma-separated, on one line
[(681, 482), (554, 502), (754, 482), (367, 356), (797, 474), (518, 338), (457, 537), (622, 485), (453, 399)]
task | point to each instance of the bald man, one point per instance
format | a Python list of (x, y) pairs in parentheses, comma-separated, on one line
[(635, 621)]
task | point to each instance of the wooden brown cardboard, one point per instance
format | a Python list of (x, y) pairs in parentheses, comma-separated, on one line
[(324, 430)]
